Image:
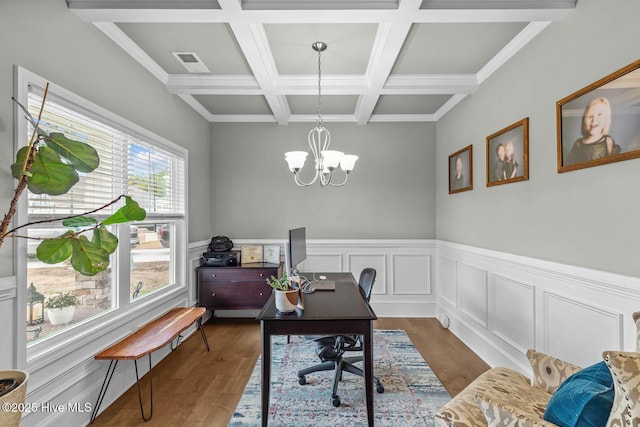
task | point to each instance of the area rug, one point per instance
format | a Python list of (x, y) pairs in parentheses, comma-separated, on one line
[(412, 391)]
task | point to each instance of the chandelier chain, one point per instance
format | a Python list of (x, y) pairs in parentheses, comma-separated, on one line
[(319, 88)]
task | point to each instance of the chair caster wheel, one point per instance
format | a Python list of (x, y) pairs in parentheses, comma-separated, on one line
[(380, 389), (302, 380), (336, 402)]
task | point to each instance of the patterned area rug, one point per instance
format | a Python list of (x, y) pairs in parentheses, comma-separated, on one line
[(412, 391)]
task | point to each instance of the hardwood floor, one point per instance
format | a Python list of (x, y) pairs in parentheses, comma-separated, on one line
[(195, 388)]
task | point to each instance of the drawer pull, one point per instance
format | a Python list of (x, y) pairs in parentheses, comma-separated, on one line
[(213, 275), (213, 294), (261, 275), (260, 293)]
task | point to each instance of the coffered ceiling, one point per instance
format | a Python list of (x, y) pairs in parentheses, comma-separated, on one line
[(386, 61)]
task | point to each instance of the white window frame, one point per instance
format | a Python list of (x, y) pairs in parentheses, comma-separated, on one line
[(41, 354)]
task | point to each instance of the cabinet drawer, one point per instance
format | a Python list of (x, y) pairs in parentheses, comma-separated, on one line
[(236, 295), (236, 274)]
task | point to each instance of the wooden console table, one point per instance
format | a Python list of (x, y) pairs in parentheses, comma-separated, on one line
[(143, 342)]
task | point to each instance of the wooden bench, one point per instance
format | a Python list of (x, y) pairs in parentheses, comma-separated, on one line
[(149, 338)]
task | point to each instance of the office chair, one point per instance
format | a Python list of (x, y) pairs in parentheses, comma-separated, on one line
[(331, 349)]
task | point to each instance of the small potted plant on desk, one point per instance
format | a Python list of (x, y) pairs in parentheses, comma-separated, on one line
[(286, 296), (60, 308)]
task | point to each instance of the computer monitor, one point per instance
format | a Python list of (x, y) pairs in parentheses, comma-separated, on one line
[(297, 248)]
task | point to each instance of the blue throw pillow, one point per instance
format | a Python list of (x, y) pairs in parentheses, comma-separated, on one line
[(583, 400)]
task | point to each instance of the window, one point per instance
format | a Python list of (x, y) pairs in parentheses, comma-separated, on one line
[(133, 161)]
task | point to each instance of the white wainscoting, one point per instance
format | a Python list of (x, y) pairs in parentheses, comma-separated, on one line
[(502, 304), (405, 272)]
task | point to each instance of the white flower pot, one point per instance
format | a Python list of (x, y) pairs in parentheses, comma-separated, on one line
[(286, 301), (60, 316), (13, 399)]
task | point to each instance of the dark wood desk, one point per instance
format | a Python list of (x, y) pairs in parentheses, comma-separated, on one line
[(343, 311)]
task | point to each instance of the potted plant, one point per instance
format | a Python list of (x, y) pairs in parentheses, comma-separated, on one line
[(13, 388), (60, 308), (286, 296)]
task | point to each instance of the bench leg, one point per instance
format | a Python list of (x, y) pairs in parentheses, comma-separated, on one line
[(204, 337), (103, 389), (150, 390)]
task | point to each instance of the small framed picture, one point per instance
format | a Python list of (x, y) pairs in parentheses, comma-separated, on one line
[(272, 254), (461, 170), (600, 123), (252, 253), (508, 154)]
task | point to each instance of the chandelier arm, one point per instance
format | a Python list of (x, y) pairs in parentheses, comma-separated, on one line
[(299, 182), (346, 178)]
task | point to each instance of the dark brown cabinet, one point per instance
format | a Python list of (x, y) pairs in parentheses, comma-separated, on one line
[(235, 288)]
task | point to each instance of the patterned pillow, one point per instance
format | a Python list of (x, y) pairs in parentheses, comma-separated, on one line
[(549, 372), (625, 369)]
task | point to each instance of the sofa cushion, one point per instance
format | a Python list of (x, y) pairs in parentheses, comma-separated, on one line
[(463, 411), (584, 399), (625, 369), (549, 372)]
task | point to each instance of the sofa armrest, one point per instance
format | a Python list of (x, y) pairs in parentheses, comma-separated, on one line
[(512, 414), (549, 372)]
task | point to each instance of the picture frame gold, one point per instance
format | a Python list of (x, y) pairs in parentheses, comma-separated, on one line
[(461, 170), (508, 154), (252, 253), (600, 123)]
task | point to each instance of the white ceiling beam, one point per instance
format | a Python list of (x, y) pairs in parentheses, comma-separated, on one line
[(386, 47), (332, 84), (203, 12), (242, 118), (193, 103), (254, 44), (430, 84), (402, 118), (210, 84)]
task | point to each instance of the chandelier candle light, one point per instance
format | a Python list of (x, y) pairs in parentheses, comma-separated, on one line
[(326, 161)]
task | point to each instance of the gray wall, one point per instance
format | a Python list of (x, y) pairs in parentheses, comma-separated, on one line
[(45, 38), (390, 194), (588, 217)]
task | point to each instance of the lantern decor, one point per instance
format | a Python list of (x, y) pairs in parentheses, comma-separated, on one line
[(35, 306)]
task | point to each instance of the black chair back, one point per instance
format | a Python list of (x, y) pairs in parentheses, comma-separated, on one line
[(367, 279)]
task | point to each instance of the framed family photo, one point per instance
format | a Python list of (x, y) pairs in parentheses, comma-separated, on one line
[(508, 154), (461, 170), (600, 123)]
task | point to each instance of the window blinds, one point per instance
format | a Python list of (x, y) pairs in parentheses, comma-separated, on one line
[(145, 170)]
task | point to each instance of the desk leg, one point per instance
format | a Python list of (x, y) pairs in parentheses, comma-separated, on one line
[(266, 373), (150, 390), (368, 371), (103, 389)]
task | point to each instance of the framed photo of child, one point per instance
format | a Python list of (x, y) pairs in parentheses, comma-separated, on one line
[(600, 123), (461, 170), (508, 154)]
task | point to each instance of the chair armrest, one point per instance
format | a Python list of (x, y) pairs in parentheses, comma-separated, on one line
[(549, 372), (505, 413)]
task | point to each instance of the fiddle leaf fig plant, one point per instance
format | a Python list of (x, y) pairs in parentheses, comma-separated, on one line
[(50, 164)]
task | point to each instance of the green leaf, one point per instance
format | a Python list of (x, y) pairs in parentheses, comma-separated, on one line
[(49, 175), (87, 258), (80, 222), (131, 211), (81, 155), (56, 250), (104, 239)]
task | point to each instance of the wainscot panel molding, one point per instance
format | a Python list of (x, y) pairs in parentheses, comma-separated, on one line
[(405, 272), (501, 304)]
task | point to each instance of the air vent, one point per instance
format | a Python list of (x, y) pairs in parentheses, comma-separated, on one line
[(191, 62)]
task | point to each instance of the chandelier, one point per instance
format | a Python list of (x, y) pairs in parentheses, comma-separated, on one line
[(319, 138)]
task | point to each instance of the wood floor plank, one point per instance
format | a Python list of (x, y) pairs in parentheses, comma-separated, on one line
[(196, 388)]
